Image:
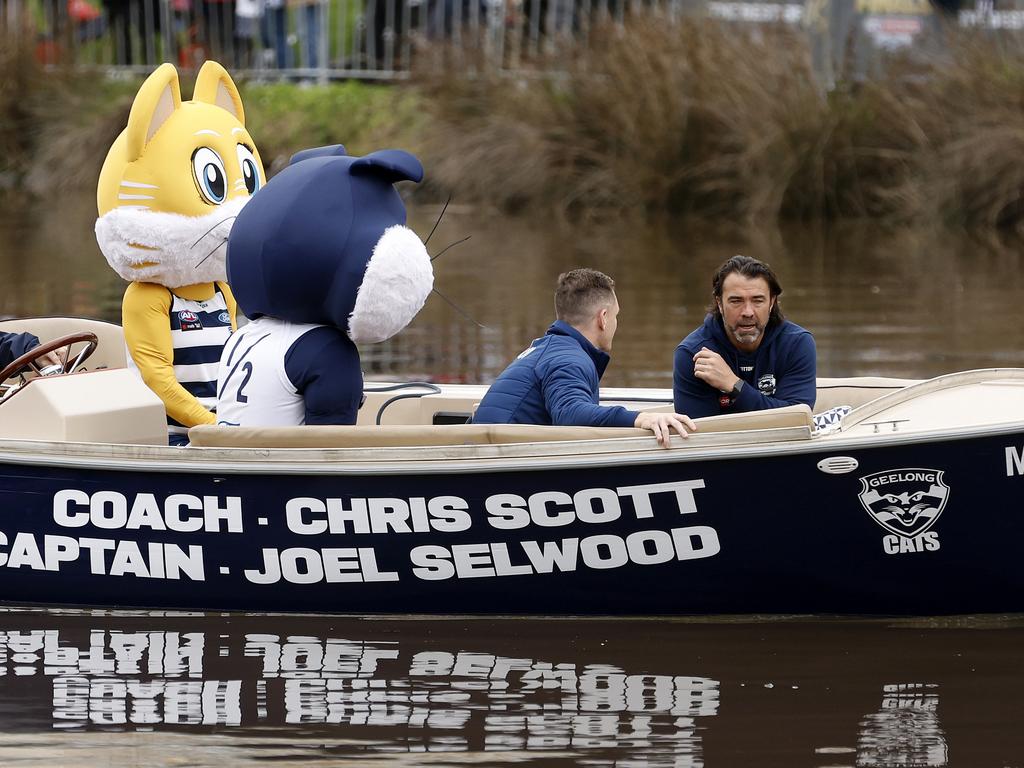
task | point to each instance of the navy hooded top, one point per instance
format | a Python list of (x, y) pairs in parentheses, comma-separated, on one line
[(554, 381), (14, 345), (781, 371)]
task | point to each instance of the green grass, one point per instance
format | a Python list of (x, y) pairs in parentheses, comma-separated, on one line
[(284, 118), (690, 119)]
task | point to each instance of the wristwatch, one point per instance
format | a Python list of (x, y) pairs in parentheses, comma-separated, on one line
[(728, 398)]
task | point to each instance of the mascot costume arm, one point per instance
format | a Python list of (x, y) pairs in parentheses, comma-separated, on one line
[(170, 189), (144, 313)]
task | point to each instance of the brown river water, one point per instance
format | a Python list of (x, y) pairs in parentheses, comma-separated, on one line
[(136, 688)]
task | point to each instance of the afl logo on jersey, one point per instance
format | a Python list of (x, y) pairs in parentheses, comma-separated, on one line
[(189, 321)]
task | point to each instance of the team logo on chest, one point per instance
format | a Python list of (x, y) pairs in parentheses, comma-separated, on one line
[(766, 384), (906, 503), (189, 321)]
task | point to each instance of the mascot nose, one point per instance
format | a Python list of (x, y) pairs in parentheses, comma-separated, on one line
[(397, 282)]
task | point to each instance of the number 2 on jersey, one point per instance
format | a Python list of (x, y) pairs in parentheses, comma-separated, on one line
[(240, 396)]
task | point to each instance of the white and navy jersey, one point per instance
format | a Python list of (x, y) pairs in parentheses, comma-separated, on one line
[(199, 330), (276, 373)]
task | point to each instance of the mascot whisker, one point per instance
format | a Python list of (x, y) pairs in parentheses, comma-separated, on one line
[(320, 260)]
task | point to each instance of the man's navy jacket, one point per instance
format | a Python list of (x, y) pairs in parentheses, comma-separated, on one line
[(554, 381), (14, 345), (781, 371)]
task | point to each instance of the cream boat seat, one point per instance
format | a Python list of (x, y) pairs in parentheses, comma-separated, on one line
[(468, 434)]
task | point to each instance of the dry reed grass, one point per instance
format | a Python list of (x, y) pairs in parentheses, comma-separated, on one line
[(715, 120), (19, 79), (684, 117)]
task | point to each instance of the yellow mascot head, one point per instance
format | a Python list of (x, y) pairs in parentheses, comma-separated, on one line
[(175, 179)]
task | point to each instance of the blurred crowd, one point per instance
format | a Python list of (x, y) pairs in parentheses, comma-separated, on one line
[(295, 36)]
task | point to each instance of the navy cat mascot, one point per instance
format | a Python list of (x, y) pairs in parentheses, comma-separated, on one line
[(319, 260)]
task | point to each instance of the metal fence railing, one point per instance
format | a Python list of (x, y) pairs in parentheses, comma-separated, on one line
[(377, 39)]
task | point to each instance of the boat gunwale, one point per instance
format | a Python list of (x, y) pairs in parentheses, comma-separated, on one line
[(581, 454)]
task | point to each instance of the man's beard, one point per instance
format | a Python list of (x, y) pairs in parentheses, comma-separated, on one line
[(747, 335)]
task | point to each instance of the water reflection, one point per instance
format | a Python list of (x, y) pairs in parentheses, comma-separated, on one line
[(575, 692), (906, 730), (901, 302)]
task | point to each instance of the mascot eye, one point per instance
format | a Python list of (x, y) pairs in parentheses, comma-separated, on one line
[(250, 171), (209, 172)]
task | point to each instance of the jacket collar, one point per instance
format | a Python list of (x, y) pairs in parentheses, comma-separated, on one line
[(600, 358)]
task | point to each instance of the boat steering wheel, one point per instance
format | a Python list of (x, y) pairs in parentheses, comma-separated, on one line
[(62, 346)]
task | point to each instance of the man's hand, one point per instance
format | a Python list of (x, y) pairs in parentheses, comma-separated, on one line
[(662, 424), (47, 365), (710, 368)]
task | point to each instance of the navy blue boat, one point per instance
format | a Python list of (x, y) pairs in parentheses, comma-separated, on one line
[(911, 503)]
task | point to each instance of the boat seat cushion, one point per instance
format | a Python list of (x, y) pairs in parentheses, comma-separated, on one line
[(320, 436), (855, 391)]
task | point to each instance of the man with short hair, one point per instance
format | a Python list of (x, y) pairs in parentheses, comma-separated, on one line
[(556, 379), (746, 356)]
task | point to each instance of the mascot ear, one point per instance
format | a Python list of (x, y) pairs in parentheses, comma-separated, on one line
[(390, 164), (334, 150), (156, 101), (215, 86)]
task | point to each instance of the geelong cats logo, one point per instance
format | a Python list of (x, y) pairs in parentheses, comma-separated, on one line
[(905, 502)]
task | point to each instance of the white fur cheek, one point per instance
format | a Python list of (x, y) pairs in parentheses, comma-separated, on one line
[(113, 244), (184, 250), (397, 282)]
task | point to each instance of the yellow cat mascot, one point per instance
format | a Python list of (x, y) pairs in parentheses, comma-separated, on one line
[(169, 190)]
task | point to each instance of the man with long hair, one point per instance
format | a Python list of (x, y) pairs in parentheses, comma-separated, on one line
[(746, 356), (556, 379)]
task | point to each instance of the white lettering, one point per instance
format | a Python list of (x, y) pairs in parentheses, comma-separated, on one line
[(432, 563), (472, 560), (695, 542), (64, 516), (503, 563), (271, 573), (549, 555), (128, 561), (507, 511), (338, 515), (110, 510), (297, 523), (389, 514), (1014, 461), (173, 511), (59, 549), (146, 513), (230, 513), (302, 565), (448, 514), (641, 495), (604, 552), (661, 546), (25, 552), (338, 564), (608, 500), (539, 509)]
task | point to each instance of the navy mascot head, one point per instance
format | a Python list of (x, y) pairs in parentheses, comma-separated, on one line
[(325, 242)]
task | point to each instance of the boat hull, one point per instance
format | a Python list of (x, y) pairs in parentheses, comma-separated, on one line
[(924, 526)]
